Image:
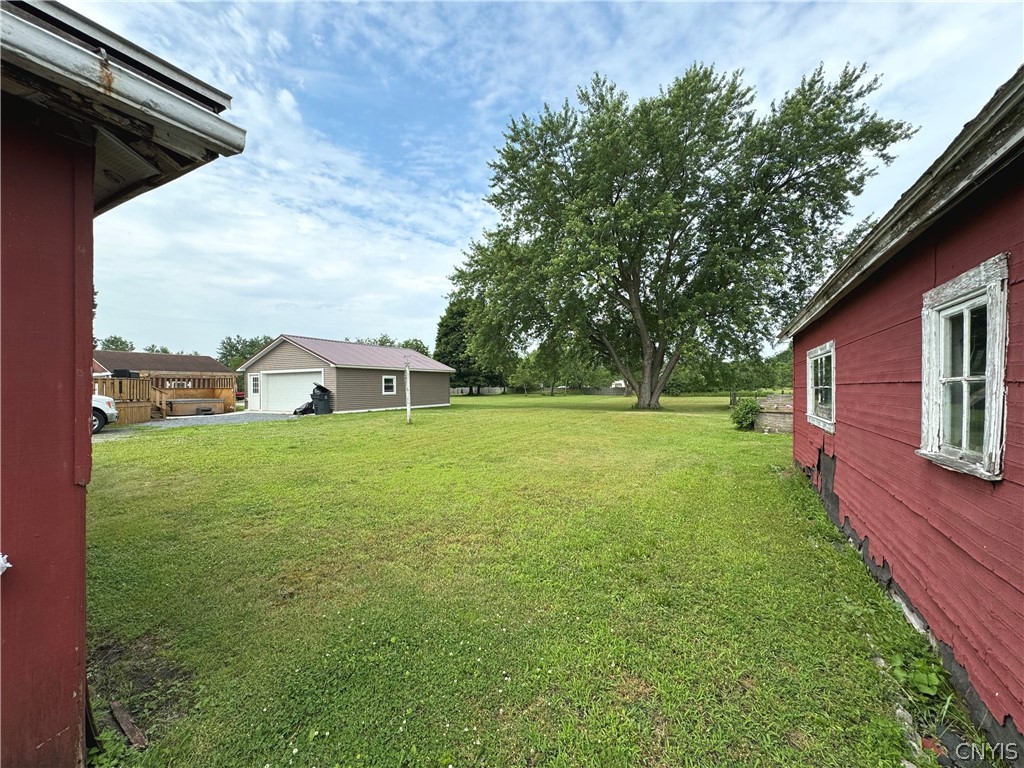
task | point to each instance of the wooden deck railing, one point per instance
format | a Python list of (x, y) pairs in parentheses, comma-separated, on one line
[(193, 381), (157, 390), (123, 390), (159, 398)]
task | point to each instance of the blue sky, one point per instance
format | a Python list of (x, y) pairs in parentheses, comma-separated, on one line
[(370, 126)]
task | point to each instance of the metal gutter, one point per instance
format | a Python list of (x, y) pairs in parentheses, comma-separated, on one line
[(178, 122), (91, 34)]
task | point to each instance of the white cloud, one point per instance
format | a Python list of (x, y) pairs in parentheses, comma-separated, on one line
[(370, 127)]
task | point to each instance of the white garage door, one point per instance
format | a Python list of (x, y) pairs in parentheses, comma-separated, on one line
[(287, 391)]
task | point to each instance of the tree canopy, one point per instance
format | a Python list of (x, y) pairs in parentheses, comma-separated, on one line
[(417, 345), (451, 347), (117, 344), (386, 340), (235, 350), (682, 224)]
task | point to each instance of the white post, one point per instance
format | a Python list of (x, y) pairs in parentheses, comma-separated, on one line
[(408, 395)]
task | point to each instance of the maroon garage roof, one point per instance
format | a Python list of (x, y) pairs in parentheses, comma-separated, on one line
[(349, 354)]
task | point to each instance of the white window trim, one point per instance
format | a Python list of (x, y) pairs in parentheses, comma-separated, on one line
[(383, 385), (988, 280), (254, 384), (828, 348)]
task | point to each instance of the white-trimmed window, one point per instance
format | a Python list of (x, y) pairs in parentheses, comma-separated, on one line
[(963, 371), (388, 385), (254, 385), (821, 388)]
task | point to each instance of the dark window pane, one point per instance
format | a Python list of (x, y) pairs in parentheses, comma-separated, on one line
[(976, 417), (826, 370), (953, 414), (954, 352), (979, 336)]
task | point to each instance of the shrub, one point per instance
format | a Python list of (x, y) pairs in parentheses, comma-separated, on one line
[(744, 413)]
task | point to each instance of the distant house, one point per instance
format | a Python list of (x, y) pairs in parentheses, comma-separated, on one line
[(175, 385), (89, 121), (175, 368), (360, 377), (909, 406)]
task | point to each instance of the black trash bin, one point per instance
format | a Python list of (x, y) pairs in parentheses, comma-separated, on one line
[(321, 399)]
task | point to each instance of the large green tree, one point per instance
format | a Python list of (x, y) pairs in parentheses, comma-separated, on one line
[(384, 340), (235, 350), (416, 344), (451, 347), (117, 344), (678, 222)]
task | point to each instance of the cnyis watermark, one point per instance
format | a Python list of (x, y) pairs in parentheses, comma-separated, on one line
[(1008, 752)]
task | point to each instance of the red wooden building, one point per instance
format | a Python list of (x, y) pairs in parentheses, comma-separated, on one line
[(89, 121), (909, 406)]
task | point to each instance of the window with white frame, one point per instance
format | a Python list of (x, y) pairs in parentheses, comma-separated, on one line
[(388, 386), (254, 385), (963, 368), (821, 392)]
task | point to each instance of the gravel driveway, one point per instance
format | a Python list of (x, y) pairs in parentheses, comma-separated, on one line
[(239, 417)]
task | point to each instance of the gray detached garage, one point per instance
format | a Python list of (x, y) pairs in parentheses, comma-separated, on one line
[(360, 377)]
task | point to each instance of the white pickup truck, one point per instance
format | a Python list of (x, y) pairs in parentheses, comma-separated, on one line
[(103, 412)]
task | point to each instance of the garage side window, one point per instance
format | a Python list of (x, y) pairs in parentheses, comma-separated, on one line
[(254, 385), (963, 392), (388, 386), (821, 374)]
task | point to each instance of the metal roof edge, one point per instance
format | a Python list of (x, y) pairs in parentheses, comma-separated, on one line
[(63, 17), (292, 340), (896, 229), (91, 74), (275, 344), (447, 369), (304, 348), (272, 345), (372, 346)]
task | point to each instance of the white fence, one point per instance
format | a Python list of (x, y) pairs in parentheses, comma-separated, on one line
[(478, 390), (558, 390)]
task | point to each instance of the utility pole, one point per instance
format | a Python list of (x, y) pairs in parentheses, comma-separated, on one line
[(408, 394)]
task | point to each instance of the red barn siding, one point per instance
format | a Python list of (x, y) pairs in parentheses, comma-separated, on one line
[(45, 359), (954, 543)]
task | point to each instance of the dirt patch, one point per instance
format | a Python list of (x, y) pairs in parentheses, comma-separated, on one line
[(154, 690), (631, 688), (799, 740)]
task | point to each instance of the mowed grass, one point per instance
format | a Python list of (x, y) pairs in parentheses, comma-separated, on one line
[(556, 581)]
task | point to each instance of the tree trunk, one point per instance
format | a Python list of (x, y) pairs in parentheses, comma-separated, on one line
[(648, 394), (656, 373)]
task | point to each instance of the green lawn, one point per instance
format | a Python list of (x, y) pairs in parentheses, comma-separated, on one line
[(510, 581)]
